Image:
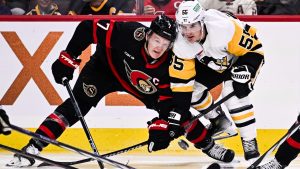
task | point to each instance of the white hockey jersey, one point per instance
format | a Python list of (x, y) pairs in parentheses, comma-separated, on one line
[(227, 39), (240, 7)]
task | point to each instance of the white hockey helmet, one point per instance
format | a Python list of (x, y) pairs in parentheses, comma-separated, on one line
[(189, 12)]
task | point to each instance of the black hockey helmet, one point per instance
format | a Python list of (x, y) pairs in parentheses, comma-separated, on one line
[(164, 27)]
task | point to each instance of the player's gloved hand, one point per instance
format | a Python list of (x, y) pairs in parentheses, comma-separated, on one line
[(159, 137), (64, 66), (174, 125), (4, 123), (242, 84)]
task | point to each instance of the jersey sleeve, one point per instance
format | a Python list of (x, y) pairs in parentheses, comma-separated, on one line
[(246, 45), (81, 39), (182, 73), (92, 31), (165, 102)]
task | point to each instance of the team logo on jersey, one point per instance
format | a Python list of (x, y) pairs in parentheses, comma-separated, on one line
[(218, 65), (139, 33), (140, 80), (89, 90)]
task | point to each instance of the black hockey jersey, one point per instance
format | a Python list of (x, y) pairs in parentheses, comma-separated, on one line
[(120, 45)]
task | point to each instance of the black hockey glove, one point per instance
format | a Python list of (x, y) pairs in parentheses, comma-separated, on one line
[(64, 66), (4, 123), (159, 137), (175, 130), (242, 84)]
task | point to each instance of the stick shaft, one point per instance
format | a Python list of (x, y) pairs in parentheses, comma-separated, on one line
[(186, 127), (48, 161), (104, 155), (82, 121), (70, 148), (293, 128)]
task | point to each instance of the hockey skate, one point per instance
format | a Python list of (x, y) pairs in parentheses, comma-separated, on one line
[(250, 149), (217, 152), (273, 164), (221, 127), (20, 161)]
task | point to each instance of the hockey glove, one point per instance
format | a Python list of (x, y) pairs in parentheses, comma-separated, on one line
[(242, 84), (64, 66), (4, 123), (175, 130), (159, 137)]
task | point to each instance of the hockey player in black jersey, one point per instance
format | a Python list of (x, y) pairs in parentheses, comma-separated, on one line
[(129, 57)]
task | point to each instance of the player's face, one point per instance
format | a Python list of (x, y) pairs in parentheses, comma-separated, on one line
[(157, 45), (191, 32)]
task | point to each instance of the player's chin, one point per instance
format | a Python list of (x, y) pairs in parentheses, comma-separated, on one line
[(191, 39), (155, 55)]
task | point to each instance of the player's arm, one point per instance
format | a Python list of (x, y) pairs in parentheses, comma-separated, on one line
[(182, 73), (164, 129), (160, 127), (247, 47), (86, 33)]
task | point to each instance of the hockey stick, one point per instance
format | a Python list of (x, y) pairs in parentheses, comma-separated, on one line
[(82, 121), (45, 160), (104, 155), (145, 142), (186, 127), (293, 128), (71, 148), (183, 144)]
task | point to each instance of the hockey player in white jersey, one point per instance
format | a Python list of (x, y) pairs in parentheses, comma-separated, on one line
[(237, 7), (226, 50)]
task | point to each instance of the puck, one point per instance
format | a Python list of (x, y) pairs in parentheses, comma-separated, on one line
[(183, 144)]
